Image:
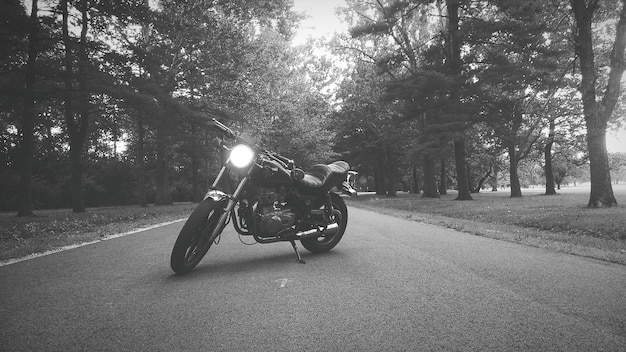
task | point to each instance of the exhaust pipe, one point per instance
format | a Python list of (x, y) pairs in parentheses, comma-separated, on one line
[(328, 230)]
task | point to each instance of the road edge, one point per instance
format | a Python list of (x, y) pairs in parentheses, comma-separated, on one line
[(82, 244)]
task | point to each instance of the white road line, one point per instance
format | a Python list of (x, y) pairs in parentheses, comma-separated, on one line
[(57, 250)]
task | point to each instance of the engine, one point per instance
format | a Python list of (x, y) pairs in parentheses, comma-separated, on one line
[(272, 214)]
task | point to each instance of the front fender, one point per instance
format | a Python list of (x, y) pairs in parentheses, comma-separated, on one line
[(216, 195)]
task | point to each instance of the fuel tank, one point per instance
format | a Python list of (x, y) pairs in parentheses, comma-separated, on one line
[(272, 174)]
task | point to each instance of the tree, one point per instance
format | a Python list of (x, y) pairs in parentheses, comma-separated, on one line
[(195, 55), (484, 157), (514, 58), (548, 170), (563, 116), (598, 112), (367, 128), (454, 43), (283, 100), (423, 73), (92, 63), (28, 113), (77, 122)]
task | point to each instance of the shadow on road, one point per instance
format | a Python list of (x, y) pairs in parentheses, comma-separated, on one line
[(257, 264)]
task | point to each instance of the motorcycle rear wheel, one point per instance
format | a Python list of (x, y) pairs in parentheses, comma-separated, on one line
[(193, 241), (326, 243)]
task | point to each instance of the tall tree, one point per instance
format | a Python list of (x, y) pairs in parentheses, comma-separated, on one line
[(547, 150), (454, 43), (393, 36), (368, 130), (563, 117), (76, 115), (598, 112), (28, 116), (514, 63)]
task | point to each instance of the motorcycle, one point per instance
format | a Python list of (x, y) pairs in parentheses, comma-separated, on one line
[(273, 201)]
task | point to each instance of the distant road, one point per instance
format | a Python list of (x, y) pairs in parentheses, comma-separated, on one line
[(390, 285)]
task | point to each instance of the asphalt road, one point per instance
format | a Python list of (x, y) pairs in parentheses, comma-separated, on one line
[(390, 285)]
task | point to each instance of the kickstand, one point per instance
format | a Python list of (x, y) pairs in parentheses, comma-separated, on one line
[(299, 260)]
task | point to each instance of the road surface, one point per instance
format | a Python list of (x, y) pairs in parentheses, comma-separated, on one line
[(390, 285)]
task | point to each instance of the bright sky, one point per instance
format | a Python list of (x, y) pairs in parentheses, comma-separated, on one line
[(616, 141), (322, 21)]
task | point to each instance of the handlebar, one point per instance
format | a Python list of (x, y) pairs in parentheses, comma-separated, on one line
[(222, 128), (288, 163)]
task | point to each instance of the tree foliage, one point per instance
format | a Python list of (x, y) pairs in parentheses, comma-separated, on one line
[(514, 76), (146, 79), (106, 103)]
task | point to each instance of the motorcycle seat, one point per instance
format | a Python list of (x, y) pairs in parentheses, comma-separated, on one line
[(320, 175)]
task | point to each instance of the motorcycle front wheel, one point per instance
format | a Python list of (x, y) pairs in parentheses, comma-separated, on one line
[(328, 242), (193, 242)]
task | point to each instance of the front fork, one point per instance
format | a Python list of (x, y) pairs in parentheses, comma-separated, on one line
[(219, 196)]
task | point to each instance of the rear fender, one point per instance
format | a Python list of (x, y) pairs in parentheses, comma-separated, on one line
[(346, 188)]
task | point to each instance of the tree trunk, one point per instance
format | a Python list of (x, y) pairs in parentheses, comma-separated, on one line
[(387, 172), (454, 66), (76, 170), (481, 181), (391, 188), (163, 195), (380, 175), (376, 181), (461, 171), (78, 136), (430, 183), (443, 176), (601, 186), (25, 204), (597, 114), (516, 190), (415, 180), (470, 177), (494, 185), (73, 127), (547, 152), (196, 196), (141, 161), (194, 154)]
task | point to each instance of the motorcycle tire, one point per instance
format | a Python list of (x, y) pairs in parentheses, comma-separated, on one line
[(193, 241), (326, 243)]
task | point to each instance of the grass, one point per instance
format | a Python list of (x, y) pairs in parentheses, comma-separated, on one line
[(561, 222), (51, 229)]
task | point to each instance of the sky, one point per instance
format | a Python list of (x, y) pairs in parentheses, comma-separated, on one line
[(324, 22), (616, 141)]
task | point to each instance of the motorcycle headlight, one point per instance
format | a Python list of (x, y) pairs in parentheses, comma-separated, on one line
[(241, 156)]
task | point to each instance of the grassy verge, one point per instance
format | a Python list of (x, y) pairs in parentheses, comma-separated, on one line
[(562, 222), (51, 229)]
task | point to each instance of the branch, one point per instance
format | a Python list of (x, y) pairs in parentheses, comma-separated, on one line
[(365, 54), (617, 66)]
